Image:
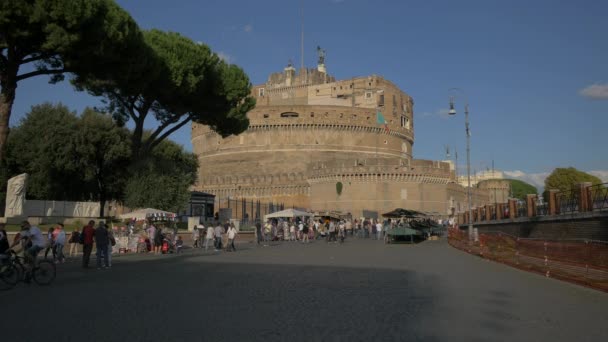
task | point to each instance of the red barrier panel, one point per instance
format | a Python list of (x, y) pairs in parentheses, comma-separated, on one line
[(581, 262)]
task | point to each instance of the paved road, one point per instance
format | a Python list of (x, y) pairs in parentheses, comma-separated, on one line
[(358, 291)]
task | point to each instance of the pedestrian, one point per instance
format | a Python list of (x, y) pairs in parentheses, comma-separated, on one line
[(195, 237), (332, 232), (59, 238), (152, 237), (342, 231), (158, 240), (50, 244), (231, 236), (258, 232), (304, 232), (218, 231), (379, 230), (86, 237), (111, 244), (74, 241), (292, 232), (209, 236), (102, 242)]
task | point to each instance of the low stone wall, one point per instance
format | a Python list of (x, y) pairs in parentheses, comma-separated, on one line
[(590, 226)]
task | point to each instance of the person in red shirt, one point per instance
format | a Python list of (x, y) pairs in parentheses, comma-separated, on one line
[(88, 232)]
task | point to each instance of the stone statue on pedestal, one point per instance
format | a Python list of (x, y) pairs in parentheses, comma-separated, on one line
[(15, 196)]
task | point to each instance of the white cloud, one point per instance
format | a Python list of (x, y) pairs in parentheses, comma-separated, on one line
[(248, 28), (535, 179), (601, 174), (226, 57), (595, 91)]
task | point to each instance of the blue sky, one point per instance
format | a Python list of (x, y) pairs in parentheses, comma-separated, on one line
[(535, 72)]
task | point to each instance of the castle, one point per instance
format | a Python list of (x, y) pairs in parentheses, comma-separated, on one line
[(329, 145)]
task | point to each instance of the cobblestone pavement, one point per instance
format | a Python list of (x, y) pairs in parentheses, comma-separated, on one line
[(361, 290)]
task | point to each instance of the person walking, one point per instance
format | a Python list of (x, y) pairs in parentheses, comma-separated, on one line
[(196, 236), (209, 236), (50, 244), (111, 244), (305, 229), (59, 238), (379, 230), (74, 241), (218, 231), (231, 236), (102, 242), (258, 232), (87, 235)]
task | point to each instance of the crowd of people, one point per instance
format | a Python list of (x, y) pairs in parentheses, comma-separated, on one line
[(329, 229), (222, 236)]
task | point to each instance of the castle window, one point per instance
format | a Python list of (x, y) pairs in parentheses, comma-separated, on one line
[(261, 92), (312, 114), (266, 116), (317, 91), (368, 95), (381, 100), (289, 115), (351, 86)]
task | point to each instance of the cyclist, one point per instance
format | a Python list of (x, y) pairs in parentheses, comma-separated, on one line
[(31, 234)]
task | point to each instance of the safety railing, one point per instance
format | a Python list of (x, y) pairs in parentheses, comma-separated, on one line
[(568, 201), (599, 196)]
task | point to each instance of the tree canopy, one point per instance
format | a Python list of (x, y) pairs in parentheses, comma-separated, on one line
[(565, 179), (88, 38), (179, 81), (87, 157), (519, 189), (162, 180)]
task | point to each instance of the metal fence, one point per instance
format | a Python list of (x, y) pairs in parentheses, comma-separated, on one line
[(580, 261), (522, 209), (249, 212), (599, 196), (567, 201)]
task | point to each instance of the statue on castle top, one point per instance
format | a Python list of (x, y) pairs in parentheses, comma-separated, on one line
[(321, 53)]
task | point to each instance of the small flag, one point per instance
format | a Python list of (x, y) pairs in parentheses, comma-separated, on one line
[(380, 120)]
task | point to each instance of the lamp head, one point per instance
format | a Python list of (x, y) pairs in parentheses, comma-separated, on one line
[(452, 110)]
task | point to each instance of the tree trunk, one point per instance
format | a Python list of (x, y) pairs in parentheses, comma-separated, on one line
[(8, 82), (136, 139), (102, 204)]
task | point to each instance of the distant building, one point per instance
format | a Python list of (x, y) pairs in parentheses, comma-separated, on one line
[(328, 145), (480, 176)]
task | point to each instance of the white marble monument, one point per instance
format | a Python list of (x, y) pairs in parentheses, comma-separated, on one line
[(15, 196)]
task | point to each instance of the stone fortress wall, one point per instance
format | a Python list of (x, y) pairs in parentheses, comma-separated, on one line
[(308, 132)]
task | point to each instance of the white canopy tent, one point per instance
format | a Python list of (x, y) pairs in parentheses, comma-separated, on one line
[(141, 214), (288, 213)]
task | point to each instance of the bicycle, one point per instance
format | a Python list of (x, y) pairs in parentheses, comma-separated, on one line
[(43, 273)]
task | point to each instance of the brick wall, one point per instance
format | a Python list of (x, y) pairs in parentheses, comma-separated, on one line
[(592, 226)]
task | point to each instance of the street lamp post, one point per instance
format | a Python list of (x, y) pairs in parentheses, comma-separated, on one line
[(468, 134)]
